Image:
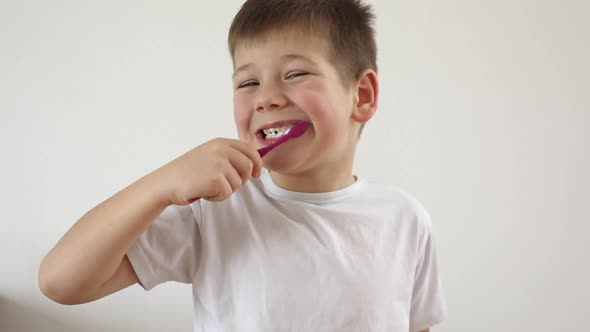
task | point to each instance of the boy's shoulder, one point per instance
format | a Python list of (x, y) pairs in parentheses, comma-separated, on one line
[(398, 199)]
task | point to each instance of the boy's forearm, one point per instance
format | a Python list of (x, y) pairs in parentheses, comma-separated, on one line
[(90, 253)]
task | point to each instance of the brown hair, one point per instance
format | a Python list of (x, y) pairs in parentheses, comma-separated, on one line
[(347, 24)]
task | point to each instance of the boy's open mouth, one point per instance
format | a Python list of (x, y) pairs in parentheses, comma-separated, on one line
[(273, 131), (276, 132)]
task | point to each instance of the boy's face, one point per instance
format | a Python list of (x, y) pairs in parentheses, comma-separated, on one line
[(288, 77)]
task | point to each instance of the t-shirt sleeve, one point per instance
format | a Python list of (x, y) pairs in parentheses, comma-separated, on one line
[(428, 303), (169, 249)]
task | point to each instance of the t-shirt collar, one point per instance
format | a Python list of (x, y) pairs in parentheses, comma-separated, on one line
[(313, 198)]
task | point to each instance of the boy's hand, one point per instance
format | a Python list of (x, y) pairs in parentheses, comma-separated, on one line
[(213, 170)]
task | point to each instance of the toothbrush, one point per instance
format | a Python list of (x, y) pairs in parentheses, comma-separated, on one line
[(297, 130)]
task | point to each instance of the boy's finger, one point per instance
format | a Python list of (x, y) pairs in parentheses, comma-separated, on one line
[(233, 178), (251, 153), (241, 163), (224, 191)]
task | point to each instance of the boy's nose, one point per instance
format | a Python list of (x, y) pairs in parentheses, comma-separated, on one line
[(269, 98)]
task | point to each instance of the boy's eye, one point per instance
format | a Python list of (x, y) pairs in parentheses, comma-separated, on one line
[(295, 74), (247, 84)]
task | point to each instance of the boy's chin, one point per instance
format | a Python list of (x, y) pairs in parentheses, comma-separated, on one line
[(283, 162), (279, 165)]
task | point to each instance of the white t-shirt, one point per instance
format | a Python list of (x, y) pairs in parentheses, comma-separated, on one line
[(267, 259)]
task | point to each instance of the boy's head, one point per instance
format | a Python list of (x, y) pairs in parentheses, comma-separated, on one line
[(346, 25), (312, 60)]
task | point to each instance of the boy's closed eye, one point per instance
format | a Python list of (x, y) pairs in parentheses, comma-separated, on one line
[(248, 84), (295, 74), (289, 76)]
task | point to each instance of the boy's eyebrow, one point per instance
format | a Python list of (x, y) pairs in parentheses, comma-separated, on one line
[(241, 68), (286, 56), (297, 57)]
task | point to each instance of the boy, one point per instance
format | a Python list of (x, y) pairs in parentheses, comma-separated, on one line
[(289, 242)]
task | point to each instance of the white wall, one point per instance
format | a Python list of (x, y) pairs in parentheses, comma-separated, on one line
[(484, 117)]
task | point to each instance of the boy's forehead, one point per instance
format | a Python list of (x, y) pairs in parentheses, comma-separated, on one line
[(281, 43)]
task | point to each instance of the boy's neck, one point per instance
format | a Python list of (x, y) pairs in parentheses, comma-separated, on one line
[(314, 181), (331, 175)]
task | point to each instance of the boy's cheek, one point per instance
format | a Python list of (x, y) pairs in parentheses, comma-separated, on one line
[(242, 121), (244, 135), (326, 115), (314, 103)]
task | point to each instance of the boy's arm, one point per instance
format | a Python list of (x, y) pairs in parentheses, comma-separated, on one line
[(90, 260), (124, 277)]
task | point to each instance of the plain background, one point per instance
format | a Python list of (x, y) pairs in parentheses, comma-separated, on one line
[(483, 116)]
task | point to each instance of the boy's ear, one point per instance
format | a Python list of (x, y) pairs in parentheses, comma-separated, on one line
[(367, 96)]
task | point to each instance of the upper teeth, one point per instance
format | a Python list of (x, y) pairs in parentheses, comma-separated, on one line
[(276, 132)]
